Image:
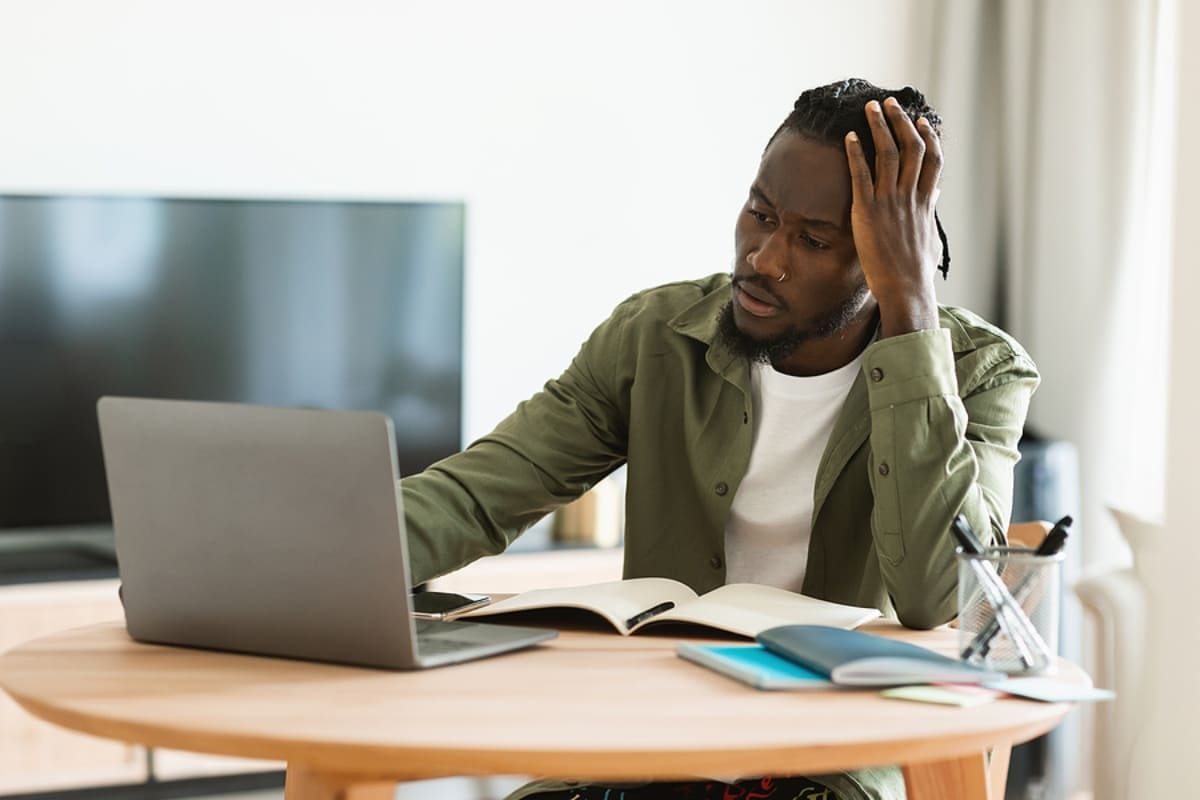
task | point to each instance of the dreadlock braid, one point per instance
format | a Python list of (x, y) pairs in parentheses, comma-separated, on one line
[(827, 113)]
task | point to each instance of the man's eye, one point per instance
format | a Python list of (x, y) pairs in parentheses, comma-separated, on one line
[(815, 244), (758, 215)]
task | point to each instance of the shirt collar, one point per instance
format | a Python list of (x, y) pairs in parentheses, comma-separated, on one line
[(699, 320)]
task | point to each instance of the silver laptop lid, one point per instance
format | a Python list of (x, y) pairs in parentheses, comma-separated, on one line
[(265, 530)]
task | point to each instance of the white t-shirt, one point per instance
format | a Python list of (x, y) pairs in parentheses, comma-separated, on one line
[(770, 521)]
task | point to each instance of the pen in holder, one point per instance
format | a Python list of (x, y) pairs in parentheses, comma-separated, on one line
[(1008, 600)]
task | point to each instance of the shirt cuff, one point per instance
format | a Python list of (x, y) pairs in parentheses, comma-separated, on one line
[(912, 366)]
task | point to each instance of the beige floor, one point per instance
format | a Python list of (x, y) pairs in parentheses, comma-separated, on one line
[(442, 789)]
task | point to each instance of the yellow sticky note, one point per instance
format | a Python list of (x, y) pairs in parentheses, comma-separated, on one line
[(944, 695)]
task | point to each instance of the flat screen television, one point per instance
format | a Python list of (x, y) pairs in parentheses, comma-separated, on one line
[(353, 305)]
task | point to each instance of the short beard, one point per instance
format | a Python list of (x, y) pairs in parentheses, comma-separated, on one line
[(778, 348)]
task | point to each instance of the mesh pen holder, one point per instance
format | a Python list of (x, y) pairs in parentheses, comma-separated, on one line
[(1008, 602)]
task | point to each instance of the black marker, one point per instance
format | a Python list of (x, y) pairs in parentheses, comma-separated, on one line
[(971, 545), (1055, 539), (648, 613), (1052, 545), (966, 536)]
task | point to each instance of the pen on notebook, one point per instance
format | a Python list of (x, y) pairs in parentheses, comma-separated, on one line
[(654, 611)]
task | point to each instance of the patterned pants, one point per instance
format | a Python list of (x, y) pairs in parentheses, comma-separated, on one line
[(757, 789)]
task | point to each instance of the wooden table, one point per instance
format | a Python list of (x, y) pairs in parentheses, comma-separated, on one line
[(587, 705)]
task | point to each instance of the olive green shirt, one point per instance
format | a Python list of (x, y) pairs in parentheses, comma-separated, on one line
[(928, 430)]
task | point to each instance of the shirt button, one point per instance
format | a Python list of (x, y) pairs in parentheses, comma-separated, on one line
[(876, 374), (721, 489), (715, 562), (884, 469)]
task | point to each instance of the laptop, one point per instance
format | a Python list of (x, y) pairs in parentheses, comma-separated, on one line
[(273, 531)]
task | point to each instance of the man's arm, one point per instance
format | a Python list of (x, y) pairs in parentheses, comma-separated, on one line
[(938, 448), (549, 451), (936, 454)]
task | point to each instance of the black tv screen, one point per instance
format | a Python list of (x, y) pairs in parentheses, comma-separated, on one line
[(353, 305)]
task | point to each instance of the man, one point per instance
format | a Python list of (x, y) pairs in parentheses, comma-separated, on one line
[(813, 421)]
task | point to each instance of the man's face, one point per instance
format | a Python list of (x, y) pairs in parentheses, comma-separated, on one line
[(796, 224)]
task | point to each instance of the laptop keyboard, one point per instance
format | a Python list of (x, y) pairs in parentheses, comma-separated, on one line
[(439, 645), (435, 638)]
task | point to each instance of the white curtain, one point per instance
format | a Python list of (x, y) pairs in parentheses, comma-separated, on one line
[(1059, 132), (1059, 119), (1165, 753)]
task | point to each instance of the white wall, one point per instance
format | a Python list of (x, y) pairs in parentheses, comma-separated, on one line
[(601, 148)]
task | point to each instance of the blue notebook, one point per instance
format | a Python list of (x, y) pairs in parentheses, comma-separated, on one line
[(753, 664), (858, 658), (819, 657)]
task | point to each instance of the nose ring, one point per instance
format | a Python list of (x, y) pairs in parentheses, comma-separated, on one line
[(782, 277)]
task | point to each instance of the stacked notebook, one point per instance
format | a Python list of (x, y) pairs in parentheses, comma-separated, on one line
[(818, 656)]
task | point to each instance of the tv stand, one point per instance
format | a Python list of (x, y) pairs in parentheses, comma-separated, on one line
[(38, 758), (31, 555)]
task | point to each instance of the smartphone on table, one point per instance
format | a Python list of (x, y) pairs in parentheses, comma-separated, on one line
[(440, 605)]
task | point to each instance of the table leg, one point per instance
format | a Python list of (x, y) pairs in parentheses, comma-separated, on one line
[(998, 770), (305, 784), (963, 778)]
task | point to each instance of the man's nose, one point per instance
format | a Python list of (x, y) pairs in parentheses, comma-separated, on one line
[(769, 258)]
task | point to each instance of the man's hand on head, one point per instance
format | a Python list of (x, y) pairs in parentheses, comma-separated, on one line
[(892, 216)]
